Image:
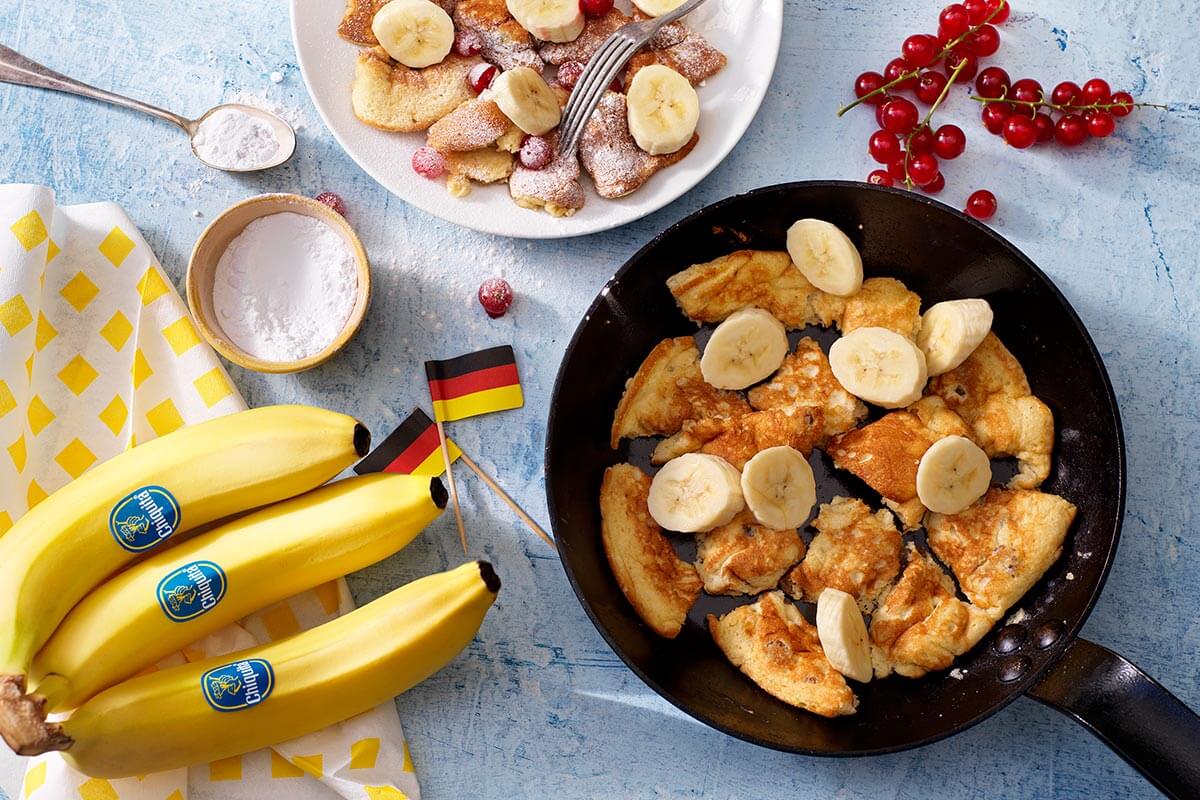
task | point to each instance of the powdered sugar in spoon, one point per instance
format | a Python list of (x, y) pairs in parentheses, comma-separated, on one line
[(17, 69)]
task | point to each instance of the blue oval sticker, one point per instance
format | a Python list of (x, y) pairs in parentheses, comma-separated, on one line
[(239, 685), (144, 518), (191, 591)]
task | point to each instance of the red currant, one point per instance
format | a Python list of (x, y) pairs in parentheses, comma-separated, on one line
[(1020, 131), (865, 84), (894, 69), (568, 73), (953, 21), (1045, 127), (1122, 104), (481, 76), (1070, 130), (995, 115), (536, 153), (1027, 90), (1065, 93), (1002, 15), (935, 185), (962, 55), (428, 162), (981, 204), (595, 8), (880, 177), (899, 115), (921, 141), (977, 11), (930, 86), (920, 49), (896, 169), (467, 42), (949, 142), (879, 112), (1100, 123), (332, 200), (923, 168), (984, 42), (496, 297), (992, 82), (1094, 91), (884, 147)]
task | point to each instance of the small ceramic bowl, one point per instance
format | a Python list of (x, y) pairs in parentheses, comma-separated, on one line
[(211, 246)]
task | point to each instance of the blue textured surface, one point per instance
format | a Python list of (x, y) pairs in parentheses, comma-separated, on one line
[(539, 706)]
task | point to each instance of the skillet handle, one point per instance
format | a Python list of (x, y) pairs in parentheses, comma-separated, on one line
[(1130, 711)]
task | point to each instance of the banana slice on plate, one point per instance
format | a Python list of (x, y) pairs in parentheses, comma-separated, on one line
[(843, 634), (825, 256), (417, 33), (695, 493), (953, 474), (779, 487), (950, 331), (744, 349), (879, 366), (663, 109), (549, 20), (656, 8), (526, 99)]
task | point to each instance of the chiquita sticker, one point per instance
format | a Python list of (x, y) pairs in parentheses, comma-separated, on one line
[(191, 590), (144, 518), (240, 685)]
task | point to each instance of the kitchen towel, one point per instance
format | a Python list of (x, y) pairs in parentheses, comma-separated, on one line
[(98, 353)]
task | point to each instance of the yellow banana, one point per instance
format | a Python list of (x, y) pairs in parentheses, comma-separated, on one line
[(221, 707), (127, 506), (161, 605)]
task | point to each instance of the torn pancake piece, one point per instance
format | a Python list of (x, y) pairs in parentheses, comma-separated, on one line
[(739, 439), (805, 380), (745, 557)]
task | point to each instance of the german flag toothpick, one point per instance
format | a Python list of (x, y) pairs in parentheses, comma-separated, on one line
[(411, 449), (474, 384)]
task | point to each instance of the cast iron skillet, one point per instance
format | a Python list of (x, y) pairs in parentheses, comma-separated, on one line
[(941, 254)]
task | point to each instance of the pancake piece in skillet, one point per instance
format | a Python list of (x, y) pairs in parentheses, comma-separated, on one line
[(745, 557), (882, 303), (667, 391), (886, 453), (805, 380), (920, 626), (660, 586), (739, 439), (779, 650), (1000, 547), (991, 393)]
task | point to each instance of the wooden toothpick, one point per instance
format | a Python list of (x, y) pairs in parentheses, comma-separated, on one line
[(462, 531), (508, 501)]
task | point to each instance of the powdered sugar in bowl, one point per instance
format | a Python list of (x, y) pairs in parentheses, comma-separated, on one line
[(278, 283)]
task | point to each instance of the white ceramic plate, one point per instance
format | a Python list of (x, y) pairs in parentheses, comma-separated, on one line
[(747, 31)]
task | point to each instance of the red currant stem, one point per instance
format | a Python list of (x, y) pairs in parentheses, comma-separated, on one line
[(928, 117), (1067, 107), (950, 45)]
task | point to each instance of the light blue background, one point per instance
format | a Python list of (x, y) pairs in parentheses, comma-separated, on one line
[(539, 706)]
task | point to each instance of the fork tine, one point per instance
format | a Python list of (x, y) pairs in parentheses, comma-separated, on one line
[(594, 81), (599, 63)]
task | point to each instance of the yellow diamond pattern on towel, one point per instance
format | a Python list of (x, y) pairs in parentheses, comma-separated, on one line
[(227, 769), (330, 596), (280, 621), (34, 778), (117, 246), (364, 753), (314, 765), (44, 333), (116, 331), (5, 522), (78, 375), (164, 418), (80, 291), (52, 250), (34, 494), (282, 768), (114, 415), (75, 458), (140, 369), (98, 789), (39, 415), (30, 230), (18, 453), (384, 793), (7, 401), (175, 795), (152, 285), (181, 335), (14, 315), (213, 387)]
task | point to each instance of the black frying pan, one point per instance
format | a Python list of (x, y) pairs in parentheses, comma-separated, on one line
[(941, 254)]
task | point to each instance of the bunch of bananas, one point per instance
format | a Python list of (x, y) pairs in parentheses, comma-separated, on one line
[(80, 617)]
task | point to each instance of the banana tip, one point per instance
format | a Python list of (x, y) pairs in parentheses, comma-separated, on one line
[(490, 578), (362, 439), (438, 492)]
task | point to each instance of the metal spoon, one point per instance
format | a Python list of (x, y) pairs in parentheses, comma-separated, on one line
[(16, 68)]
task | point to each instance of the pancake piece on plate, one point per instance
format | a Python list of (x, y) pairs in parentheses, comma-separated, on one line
[(855, 550), (779, 650), (991, 393), (660, 586), (805, 380), (392, 97), (667, 391), (739, 439), (584, 46), (680, 48), (610, 155), (886, 453), (505, 43), (1002, 545), (920, 626), (744, 557)]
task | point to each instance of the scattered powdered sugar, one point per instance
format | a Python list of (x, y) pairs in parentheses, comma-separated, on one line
[(234, 139), (285, 287), (958, 674)]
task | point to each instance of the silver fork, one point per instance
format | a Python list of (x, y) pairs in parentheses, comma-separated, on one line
[(603, 68)]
